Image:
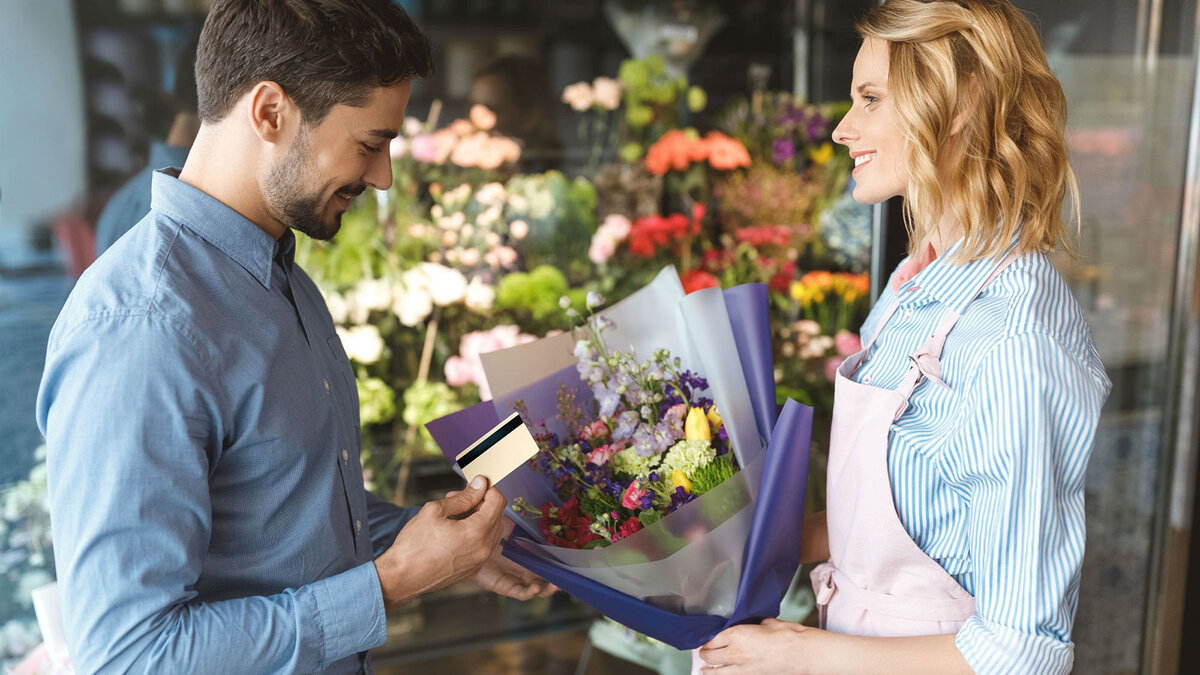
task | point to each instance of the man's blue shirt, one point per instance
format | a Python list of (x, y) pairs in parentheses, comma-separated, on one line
[(204, 480)]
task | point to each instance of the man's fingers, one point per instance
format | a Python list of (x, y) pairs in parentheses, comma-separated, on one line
[(464, 501)]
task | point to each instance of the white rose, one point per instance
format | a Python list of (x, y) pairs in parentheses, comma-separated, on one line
[(480, 296), (362, 343), (607, 93), (339, 309), (373, 294), (413, 306), (446, 286)]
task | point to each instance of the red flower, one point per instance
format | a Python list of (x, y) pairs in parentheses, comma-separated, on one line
[(698, 279), (627, 528), (572, 524), (782, 280)]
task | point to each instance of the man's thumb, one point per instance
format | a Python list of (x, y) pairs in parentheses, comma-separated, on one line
[(467, 498)]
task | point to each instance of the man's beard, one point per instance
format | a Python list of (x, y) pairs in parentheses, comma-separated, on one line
[(285, 197)]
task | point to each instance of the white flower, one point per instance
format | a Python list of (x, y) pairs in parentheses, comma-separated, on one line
[(339, 309), (413, 305), (362, 343), (412, 126), (446, 286), (373, 294), (617, 226), (480, 296), (518, 202), (579, 96), (356, 312), (518, 229), (606, 93), (491, 194)]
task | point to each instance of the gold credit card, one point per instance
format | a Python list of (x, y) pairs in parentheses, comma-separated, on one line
[(499, 452)]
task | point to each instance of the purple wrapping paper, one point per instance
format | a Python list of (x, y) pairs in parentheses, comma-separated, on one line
[(771, 554)]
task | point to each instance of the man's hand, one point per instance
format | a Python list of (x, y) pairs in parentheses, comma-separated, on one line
[(504, 577), (446, 542)]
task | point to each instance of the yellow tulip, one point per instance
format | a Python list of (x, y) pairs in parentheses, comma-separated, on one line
[(714, 418), (696, 428), (823, 154), (679, 479)]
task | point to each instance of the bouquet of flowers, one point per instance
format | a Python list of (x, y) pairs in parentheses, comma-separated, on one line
[(669, 491)]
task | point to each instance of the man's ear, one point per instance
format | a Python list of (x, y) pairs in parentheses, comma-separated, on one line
[(270, 110)]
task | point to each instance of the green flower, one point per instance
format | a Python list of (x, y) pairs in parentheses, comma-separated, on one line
[(688, 457), (376, 401), (630, 462), (638, 115), (427, 401), (696, 99), (631, 152), (634, 73)]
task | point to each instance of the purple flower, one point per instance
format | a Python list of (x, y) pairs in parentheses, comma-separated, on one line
[(680, 497), (782, 150), (818, 126), (627, 424), (607, 399)]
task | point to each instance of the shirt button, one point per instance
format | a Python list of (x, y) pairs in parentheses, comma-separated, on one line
[(345, 455), (358, 526), (908, 313), (866, 379), (326, 383)]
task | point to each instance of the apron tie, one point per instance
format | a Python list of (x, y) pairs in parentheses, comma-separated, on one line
[(823, 584)]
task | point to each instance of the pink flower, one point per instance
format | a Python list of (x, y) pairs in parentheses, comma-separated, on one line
[(595, 431), (469, 150), (603, 247), (469, 257), (460, 371), (482, 117), (508, 148), (398, 147), (831, 367), (518, 229), (444, 143), (616, 225), (847, 343), (461, 127), (603, 454), (423, 148), (632, 497), (467, 367), (606, 93), (578, 96)]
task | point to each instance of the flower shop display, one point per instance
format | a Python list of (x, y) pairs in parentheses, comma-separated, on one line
[(465, 254)]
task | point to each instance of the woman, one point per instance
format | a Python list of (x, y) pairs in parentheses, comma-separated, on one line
[(954, 533)]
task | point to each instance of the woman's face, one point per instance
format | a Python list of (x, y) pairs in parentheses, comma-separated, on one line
[(871, 130)]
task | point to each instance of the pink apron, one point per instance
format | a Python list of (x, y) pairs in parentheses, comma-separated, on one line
[(877, 580)]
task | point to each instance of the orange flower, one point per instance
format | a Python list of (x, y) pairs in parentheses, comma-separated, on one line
[(726, 153), (671, 151)]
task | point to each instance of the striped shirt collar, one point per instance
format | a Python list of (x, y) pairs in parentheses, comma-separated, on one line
[(933, 278)]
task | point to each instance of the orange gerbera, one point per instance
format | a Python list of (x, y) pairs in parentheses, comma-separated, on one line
[(725, 153)]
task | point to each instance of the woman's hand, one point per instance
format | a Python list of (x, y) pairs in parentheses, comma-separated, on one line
[(773, 647)]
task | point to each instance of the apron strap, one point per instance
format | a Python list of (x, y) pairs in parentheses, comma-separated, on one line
[(925, 363)]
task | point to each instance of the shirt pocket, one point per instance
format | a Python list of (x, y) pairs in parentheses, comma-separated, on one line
[(344, 380)]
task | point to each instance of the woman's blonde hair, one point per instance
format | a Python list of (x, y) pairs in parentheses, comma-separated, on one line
[(984, 118)]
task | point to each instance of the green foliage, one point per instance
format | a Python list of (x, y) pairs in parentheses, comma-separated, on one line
[(594, 502), (713, 474), (376, 401), (425, 402)]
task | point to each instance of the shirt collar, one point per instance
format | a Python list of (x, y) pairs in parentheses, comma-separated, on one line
[(950, 284), (163, 156), (235, 236)]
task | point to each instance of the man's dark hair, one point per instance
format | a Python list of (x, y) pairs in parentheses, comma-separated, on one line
[(321, 52)]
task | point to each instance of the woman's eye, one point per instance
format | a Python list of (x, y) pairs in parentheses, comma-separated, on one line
[(871, 100)]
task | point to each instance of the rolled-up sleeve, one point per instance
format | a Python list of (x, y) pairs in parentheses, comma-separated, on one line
[(1022, 448), (133, 427)]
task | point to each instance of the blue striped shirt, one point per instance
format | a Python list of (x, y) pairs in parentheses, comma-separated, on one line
[(988, 474)]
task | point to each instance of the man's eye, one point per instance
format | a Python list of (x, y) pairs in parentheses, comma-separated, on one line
[(372, 149)]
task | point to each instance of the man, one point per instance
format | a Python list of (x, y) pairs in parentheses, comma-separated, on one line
[(131, 202), (200, 413)]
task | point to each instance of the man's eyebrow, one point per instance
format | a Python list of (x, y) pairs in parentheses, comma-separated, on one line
[(383, 134)]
